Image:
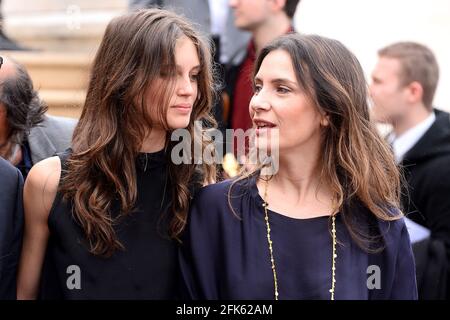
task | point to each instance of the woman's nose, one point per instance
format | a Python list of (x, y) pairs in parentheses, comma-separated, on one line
[(258, 102), (186, 87)]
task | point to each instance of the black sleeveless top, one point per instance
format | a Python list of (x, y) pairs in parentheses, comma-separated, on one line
[(145, 269)]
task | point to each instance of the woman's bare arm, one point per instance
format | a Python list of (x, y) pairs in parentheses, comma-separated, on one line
[(39, 193)]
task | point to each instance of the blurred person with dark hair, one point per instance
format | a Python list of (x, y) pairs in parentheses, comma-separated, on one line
[(27, 134), (403, 85)]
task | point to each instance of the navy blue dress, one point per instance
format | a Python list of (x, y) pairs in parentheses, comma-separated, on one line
[(226, 257)]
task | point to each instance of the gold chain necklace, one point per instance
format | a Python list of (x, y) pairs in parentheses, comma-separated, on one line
[(272, 260)]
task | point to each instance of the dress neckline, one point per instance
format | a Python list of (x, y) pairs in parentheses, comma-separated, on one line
[(279, 216), (151, 160)]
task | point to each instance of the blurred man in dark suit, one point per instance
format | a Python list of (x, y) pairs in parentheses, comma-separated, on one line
[(403, 85), (11, 227)]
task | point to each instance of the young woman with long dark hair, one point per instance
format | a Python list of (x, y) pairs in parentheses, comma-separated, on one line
[(102, 219)]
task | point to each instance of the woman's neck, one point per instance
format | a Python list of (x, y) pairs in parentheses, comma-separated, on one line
[(154, 141), (296, 190), (297, 175), (299, 165)]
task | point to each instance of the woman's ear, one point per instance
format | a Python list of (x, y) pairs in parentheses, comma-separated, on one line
[(325, 121)]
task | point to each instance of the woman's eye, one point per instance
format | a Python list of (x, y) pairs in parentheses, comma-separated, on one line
[(257, 88), (194, 77), (283, 90)]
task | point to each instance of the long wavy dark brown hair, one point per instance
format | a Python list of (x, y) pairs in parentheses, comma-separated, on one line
[(137, 48), (355, 161)]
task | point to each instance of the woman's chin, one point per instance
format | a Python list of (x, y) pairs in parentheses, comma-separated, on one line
[(179, 123)]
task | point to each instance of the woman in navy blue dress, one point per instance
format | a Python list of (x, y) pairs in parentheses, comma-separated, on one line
[(319, 217)]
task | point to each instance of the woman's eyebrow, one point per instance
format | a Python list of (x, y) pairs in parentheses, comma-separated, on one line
[(277, 81), (284, 80), (194, 68)]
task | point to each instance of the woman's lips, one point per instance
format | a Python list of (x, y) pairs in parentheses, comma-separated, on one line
[(183, 108), (262, 126)]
